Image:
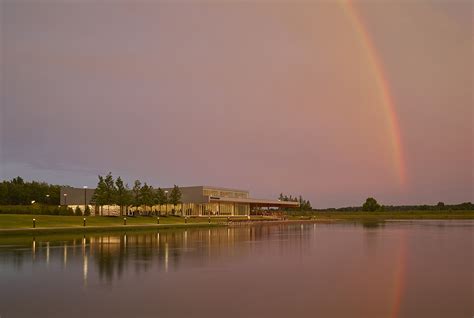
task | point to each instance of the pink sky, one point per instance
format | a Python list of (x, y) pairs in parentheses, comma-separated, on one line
[(269, 97)]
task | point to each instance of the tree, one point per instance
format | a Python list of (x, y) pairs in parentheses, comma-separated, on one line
[(147, 196), (122, 194), (136, 197), (99, 197), (17, 191), (305, 205), (371, 205), (465, 206), (440, 206), (3, 193), (160, 198), (175, 197), (78, 211), (87, 211), (110, 191)]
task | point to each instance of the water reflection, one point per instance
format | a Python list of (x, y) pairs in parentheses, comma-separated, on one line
[(372, 224), (33, 249), (47, 253), (304, 270), (113, 254)]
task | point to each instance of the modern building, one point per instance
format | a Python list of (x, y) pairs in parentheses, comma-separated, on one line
[(195, 201)]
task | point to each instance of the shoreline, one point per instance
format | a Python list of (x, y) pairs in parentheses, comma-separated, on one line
[(148, 227), (103, 229), (144, 227)]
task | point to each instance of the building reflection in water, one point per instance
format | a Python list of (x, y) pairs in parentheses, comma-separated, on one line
[(166, 257), (47, 253), (141, 251), (33, 249), (65, 255)]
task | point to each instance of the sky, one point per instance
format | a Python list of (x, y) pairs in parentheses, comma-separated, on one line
[(268, 96)]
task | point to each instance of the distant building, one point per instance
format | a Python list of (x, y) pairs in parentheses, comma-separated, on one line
[(196, 201)]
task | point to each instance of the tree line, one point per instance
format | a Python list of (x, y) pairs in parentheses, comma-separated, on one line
[(39, 209), (110, 191), (305, 205), (19, 192), (371, 205)]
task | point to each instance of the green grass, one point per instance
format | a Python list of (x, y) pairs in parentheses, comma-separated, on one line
[(18, 224), (21, 224), (25, 221)]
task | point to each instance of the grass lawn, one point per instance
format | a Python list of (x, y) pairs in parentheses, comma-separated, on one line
[(45, 223), (24, 221)]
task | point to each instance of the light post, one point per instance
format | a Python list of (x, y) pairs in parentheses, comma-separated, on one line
[(85, 197), (65, 199), (47, 199), (166, 194)]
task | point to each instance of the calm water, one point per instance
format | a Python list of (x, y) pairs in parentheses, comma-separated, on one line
[(399, 269)]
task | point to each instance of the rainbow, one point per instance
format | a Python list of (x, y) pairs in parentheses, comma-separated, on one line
[(382, 87)]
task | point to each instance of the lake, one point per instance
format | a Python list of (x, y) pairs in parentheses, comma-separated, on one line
[(394, 269)]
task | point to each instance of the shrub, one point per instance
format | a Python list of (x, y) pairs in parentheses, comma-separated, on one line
[(78, 211), (20, 209), (37, 209), (62, 210)]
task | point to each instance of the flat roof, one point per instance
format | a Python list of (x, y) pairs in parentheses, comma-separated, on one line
[(76, 196), (255, 201), (220, 188)]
